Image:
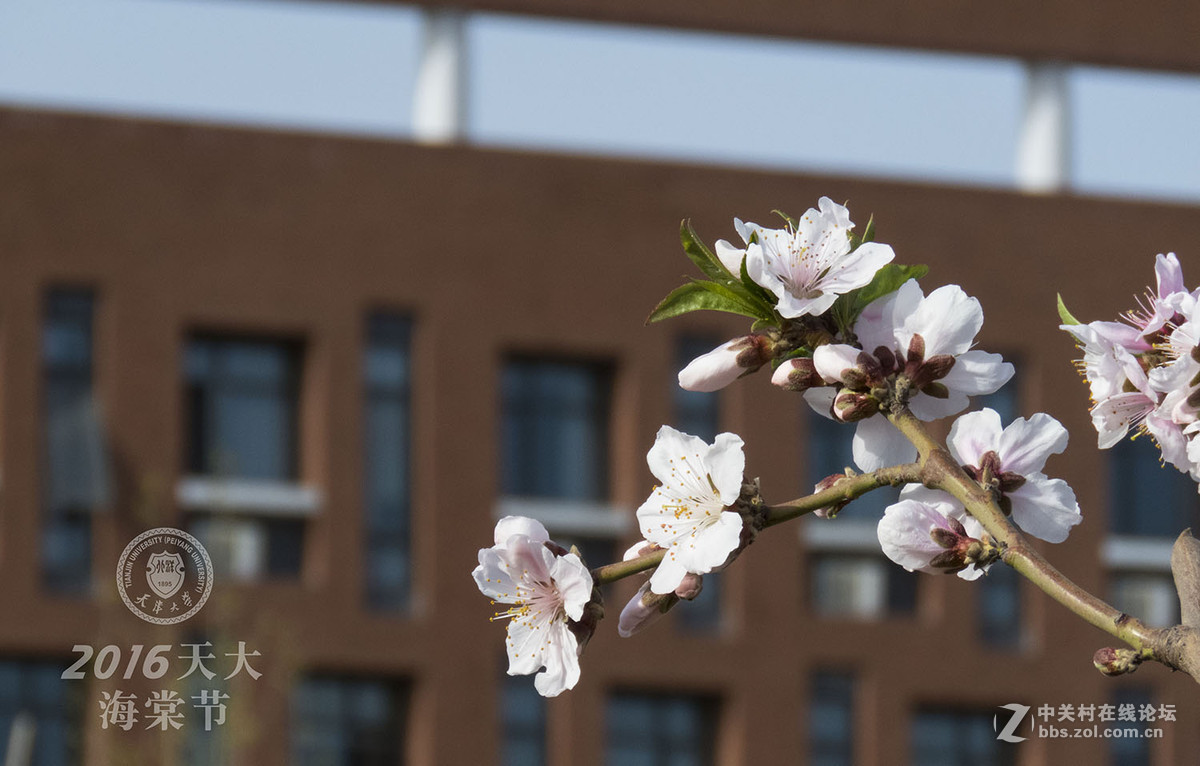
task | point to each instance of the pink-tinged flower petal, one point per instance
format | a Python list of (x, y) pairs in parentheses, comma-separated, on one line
[(1122, 335), (975, 434), (714, 370), (878, 444), (877, 324), (904, 534), (1025, 445), (1045, 508), (637, 614), (520, 525), (1115, 415), (1169, 275), (833, 359), (858, 268), (948, 319)]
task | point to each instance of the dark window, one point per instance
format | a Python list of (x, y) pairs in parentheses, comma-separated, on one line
[(76, 478), (1165, 511), (859, 585), (831, 720), (696, 412), (555, 429), (1129, 751), (830, 451), (959, 738), (344, 722), (34, 699), (387, 463), (660, 730), (243, 424), (998, 593), (523, 718), (242, 397)]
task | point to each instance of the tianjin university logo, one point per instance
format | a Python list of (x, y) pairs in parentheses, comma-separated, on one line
[(164, 575)]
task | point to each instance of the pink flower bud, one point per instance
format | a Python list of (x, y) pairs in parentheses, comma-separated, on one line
[(797, 374), (644, 609)]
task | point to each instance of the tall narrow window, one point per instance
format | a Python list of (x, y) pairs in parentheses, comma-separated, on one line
[(343, 721), (555, 429), (660, 730), (387, 424), (37, 706), (998, 595), (1130, 751), (523, 719), (848, 574), (831, 720), (697, 413), (76, 478), (243, 455)]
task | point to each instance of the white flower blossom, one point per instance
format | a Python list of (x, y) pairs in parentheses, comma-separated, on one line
[(686, 514), (1012, 459), (808, 268), (927, 537), (931, 334), (545, 592)]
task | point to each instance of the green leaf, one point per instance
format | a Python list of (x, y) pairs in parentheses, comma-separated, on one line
[(700, 255), (763, 299), (702, 296), (887, 280), (1065, 315)]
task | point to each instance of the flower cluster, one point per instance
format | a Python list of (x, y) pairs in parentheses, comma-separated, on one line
[(548, 590), (1144, 372)]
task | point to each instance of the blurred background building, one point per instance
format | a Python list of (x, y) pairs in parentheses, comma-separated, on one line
[(335, 286)]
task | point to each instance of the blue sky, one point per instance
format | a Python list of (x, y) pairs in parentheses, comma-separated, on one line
[(569, 86)]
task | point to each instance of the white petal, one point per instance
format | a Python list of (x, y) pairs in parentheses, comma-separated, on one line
[(858, 268), (948, 319), (978, 372), (1045, 508), (791, 306), (492, 576), (520, 525), (711, 546), (821, 400), (727, 466), (927, 407), (878, 444), (668, 575), (731, 257), (1169, 275), (1026, 444), (973, 435), (574, 584), (562, 664)]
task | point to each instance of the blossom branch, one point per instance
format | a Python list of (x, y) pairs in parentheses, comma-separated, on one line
[(622, 569), (1171, 646), (843, 491)]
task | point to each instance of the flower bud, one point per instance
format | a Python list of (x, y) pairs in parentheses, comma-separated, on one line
[(645, 608), (797, 374), (829, 482), (690, 587), (849, 406), (726, 363), (1116, 662)]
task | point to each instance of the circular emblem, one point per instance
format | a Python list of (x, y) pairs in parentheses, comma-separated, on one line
[(164, 575)]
